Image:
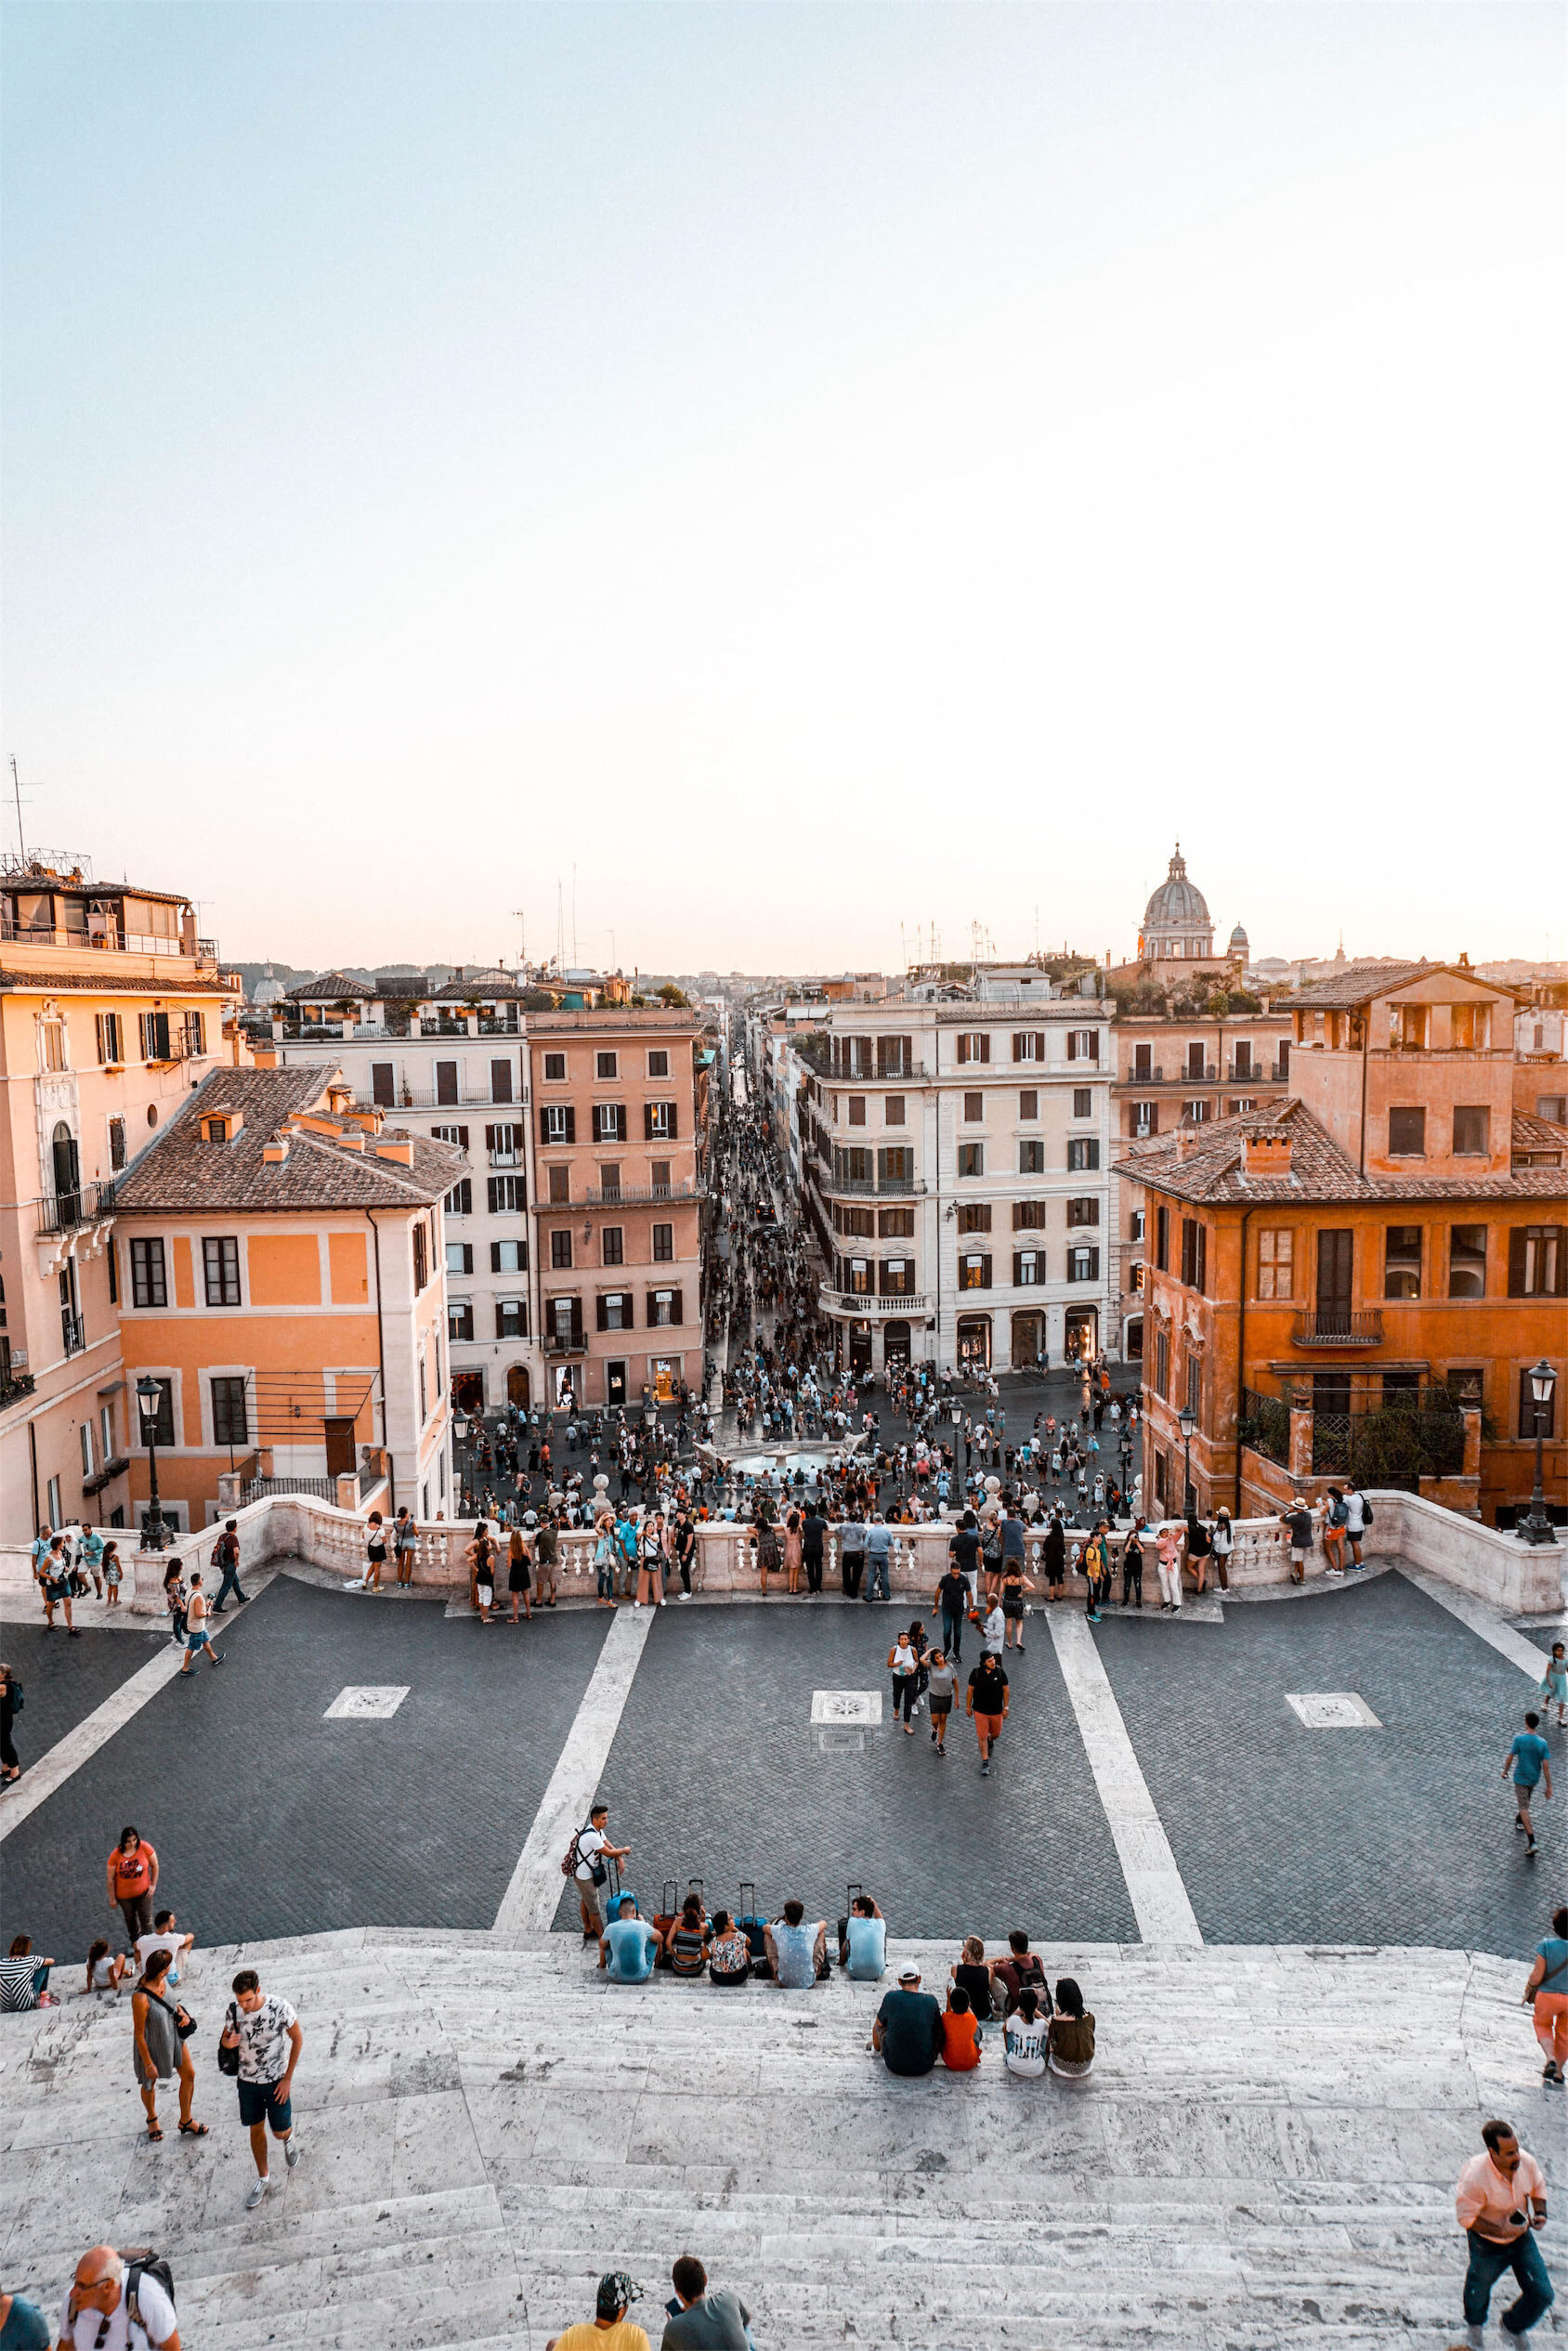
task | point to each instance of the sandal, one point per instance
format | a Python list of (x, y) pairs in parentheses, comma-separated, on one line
[(194, 2130), (153, 2132)]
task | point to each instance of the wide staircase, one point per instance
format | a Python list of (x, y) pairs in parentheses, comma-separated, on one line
[(1265, 2153)]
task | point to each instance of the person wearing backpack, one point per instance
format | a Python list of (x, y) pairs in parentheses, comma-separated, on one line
[(111, 2296), (1358, 1518), (226, 1559), (585, 1863)]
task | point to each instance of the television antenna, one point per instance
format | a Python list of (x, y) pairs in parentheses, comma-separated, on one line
[(522, 935)]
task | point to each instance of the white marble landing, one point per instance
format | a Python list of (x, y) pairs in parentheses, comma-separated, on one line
[(1265, 2155)]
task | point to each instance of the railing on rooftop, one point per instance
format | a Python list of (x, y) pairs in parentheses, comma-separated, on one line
[(62, 1211), (97, 937), (628, 1196)]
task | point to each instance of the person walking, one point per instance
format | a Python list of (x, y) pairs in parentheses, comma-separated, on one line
[(114, 2303), (1553, 1691), (160, 2050), (55, 1580), (941, 1684), (269, 2038), (197, 1636), (1501, 2203), (904, 1665), (1528, 1765), (986, 1701), (132, 1881), (951, 1598), (1014, 1583), (226, 1559), (1546, 1995), (10, 1706)]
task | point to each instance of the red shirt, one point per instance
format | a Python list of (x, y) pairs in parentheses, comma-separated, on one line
[(133, 1872)]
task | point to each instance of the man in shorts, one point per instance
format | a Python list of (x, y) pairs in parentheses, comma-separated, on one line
[(546, 1556), (197, 1636), (54, 1575), (1527, 1763), (1298, 1519), (594, 1848), (267, 2035), (986, 1700)]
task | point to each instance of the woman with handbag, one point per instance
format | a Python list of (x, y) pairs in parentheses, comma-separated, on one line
[(160, 2029)]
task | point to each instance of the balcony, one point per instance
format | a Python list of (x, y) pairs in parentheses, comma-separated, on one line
[(656, 1196), (557, 1349), (62, 1211), (14, 1384), (869, 1306), (1336, 1326)]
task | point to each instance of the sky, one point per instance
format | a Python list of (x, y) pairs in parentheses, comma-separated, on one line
[(792, 477)]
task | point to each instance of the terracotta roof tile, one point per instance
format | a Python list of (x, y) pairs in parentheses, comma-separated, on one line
[(111, 983), (1212, 1172), (178, 1171), (1361, 982)]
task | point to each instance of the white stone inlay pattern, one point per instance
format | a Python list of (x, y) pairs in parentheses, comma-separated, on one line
[(367, 1702), (1332, 1710), (846, 1705)]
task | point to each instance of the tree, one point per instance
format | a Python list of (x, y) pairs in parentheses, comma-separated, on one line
[(674, 997)]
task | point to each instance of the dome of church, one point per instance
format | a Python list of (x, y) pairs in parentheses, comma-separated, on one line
[(1177, 901), (1238, 941)]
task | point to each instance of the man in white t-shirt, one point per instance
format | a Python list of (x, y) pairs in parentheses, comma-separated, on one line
[(594, 1849), (96, 2314), (168, 1938)]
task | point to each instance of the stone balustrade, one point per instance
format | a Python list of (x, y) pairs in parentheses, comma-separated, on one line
[(1496, 1567)]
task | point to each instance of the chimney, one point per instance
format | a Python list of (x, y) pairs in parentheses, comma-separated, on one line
[(401, 1148), (275, 1152), (1267, 1154), (352, 1139)]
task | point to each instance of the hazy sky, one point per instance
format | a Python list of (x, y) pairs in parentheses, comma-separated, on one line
[(817, 467)]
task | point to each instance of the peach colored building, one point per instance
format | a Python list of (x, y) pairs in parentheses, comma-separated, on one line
[(111, 1009), (281, 1271), (618, 1100), (1392, 1240)]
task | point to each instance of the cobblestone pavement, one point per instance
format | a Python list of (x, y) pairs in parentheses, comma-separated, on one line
[(63, 1680), (271, 1820), (714, 1774), (1284, 1835)]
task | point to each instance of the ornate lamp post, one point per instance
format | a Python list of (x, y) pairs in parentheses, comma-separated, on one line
[(150, 1395), (1537, 1527), (1186, 1421)]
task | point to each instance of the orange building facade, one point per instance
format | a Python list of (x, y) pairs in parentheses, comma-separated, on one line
[(279, 1266), (1313, 1269)]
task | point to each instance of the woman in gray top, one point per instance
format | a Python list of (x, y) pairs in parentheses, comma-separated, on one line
[(158, 2052), (941, 1680)]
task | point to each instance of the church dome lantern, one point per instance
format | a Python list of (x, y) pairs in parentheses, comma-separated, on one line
[(1177, 923)]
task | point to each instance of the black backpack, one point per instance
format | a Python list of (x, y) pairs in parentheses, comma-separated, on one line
[(142, 2262)]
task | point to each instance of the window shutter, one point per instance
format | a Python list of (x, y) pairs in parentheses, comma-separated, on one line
[(495, 1257), (1039, 1044), (544, 1125), (653, 1310), (963, 1046), (1094, 1256), (1093, 1042), (1019, 1048), (647, 1122), (1072, 1044), (571, 1136), (601, 1313), (97, 1023), (1202, 1258), (985, 1273), (1018, 1269), (675, 1306), (577, 1322), (490, 1138), (621, 1122), (1518, 1244), (672, 1132)]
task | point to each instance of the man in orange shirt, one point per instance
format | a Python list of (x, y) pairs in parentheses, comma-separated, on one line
[(1501, 2201)]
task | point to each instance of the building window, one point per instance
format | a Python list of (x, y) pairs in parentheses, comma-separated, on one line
[(446, 1081), (1083, 1211), (1537, 1261), (974, 1272), (1243, 1069), (560, 1186), (659, 1063), (613, 1311), (1083, 1265), (1162, 1364), (560, 1251), (897, 1277), (110, 1039), (974, 1216), (609, 1122), (1083, 1153), (1031, 1157), (1162, 1243), (230, 1419), (501, 1081), (663, 1244), (606, 1065), (1029, 1216), (1195, 1112), (611, 1245), (1029, 1268), (1083, 1044), (511, 1318), (1535, 1419), (1277, 1264), (663, 1309), (1029, 1044), (856, 1110), (1402, 1260), (659, 1122), (554, 1069), (146, 1275), (557, 1123), (195, 1037), (163, 1419), (1467, 1260), (451, 1134), (1465, 1384), (974, 1109), (1472, 1130), (459, 1255), (659, 1177), (506, 1195), (116, 1145), (155, 1036), (84, 1438), (1194, 1253), (1135, 1225), (972, 1159), (460, 1319), (1407, 1134), (893, 1111), (384, 1083), (220, 1263), (975, 1046), (898, 1225), (1145, 1118), (420, 1268), (509, 1256), (1195, 1384), (459, 1199), (504, 1145), (1470, 1028), (1083, 1102)]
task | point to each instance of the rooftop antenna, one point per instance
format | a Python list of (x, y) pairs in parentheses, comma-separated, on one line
[(522, 936), (574, 959), (16, 787), (560, 931)]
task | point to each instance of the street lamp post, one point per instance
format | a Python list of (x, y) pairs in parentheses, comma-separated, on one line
[(1186, 1421), (1537, 1527), (150, 1395)]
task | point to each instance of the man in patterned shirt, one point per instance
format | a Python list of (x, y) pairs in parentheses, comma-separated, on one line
[(267, 2035)]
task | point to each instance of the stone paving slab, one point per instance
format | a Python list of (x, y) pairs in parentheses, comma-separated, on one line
[(63, 1679)]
